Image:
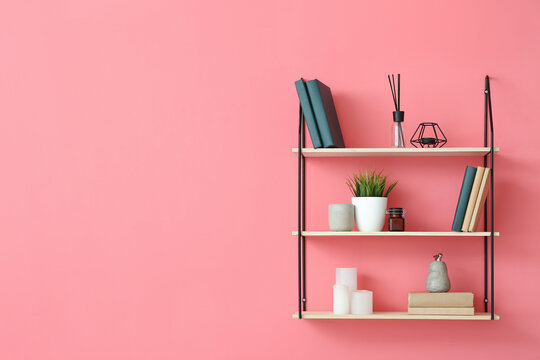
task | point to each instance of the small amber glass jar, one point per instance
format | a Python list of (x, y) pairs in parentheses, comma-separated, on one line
[(396, 219)]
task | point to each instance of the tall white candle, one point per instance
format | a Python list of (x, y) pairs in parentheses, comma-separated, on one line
[(341, 299), (347, 276), (362, 302)]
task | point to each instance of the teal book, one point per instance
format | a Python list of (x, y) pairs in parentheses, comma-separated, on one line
[(464, 194), (325, 114), (307, 110)]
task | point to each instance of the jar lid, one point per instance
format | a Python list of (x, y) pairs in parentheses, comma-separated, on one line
[(396, 211)]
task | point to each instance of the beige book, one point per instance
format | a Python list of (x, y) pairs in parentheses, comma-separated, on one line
[(441, 311), (447, 299), (480, 200), (472, 198)]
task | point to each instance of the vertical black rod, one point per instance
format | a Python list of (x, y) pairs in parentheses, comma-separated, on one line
[(492, 192), (304, 297), (300, 131), (485, 204)]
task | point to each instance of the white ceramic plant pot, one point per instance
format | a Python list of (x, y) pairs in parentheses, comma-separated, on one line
[(370, 212)]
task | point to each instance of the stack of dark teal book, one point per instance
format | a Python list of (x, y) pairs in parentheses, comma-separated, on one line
[(320, 114)]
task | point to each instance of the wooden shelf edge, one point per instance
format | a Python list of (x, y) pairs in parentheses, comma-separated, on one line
[(328, 315), (395, 233), (359, 152)]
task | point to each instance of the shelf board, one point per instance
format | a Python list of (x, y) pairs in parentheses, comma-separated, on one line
[(392, 316), (361, 152), (393, 233)]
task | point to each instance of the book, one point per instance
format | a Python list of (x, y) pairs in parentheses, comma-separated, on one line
[(440, 300), (307, 110), (472, 198), (480, 200), (463, 199), (325, 114), (441, 311)]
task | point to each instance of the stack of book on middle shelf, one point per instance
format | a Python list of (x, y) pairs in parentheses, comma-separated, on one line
[(320, 114), (472, 197), (448, 303)]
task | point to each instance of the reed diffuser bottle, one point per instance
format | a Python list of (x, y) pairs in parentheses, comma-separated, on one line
[(398, 132), (398, 136)]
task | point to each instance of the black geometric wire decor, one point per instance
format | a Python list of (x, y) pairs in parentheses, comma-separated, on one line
[(428, 135)]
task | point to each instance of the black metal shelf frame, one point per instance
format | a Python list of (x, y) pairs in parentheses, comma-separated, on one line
[(302, 298)]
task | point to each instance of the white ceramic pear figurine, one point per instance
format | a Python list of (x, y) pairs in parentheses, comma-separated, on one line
[(437, 279)]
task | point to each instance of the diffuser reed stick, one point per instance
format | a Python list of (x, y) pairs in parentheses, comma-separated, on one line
[(396, 94), (398, 91)]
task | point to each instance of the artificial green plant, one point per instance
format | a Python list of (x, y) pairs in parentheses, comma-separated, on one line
[(372, 184)]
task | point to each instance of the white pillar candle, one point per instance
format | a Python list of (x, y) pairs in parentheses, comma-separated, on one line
[(362, 302), (347, 276), (341, 299)]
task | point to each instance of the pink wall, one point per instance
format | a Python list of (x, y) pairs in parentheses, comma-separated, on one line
[(149, 189)]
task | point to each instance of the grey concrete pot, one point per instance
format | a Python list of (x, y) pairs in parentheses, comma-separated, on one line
[(341, 217)]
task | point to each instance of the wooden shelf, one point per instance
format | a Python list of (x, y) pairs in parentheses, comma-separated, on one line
[(393, 233), (361, 152), (320, 315)]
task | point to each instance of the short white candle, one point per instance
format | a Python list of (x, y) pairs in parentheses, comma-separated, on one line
[(347, 276), (362, 302), (341, 299)]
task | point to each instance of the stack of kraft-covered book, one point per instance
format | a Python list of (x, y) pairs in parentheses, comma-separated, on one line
[(448, 303)]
